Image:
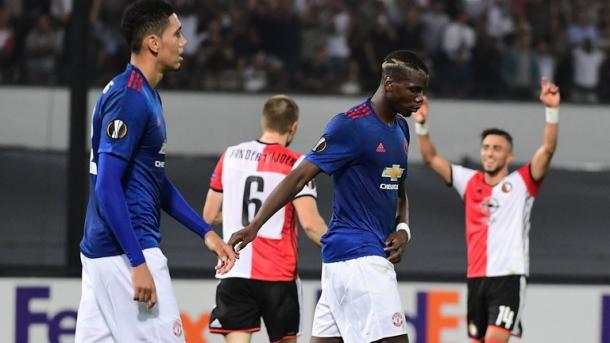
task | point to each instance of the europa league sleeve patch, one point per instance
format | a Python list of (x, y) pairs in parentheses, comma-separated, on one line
[(116, 129), (320, 146)]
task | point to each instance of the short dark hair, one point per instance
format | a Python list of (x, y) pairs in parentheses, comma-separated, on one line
[(499, 132), (279, 113), (397, 63), (142, 18)]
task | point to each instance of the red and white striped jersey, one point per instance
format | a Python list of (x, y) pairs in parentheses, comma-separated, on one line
[(246, 174), (497, 220)]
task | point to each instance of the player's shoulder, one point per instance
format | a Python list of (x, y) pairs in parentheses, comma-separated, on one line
[(276, 149), (360, 111), (126, 86), (291, 152), (466, 173), (401, 121), (252, 145), (352, 118)]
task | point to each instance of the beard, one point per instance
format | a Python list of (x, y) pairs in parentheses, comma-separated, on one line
[(493, 171)]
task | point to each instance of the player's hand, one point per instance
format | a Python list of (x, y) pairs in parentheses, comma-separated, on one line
[(241, 238), (395, 245), (422, 113), (549, 94), (143, 285), (226, 255)]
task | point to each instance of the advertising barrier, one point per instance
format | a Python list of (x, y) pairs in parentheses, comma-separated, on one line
[(40, 310)]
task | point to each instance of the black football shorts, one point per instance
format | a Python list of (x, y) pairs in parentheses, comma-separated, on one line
[(495, 301), (240, 304)]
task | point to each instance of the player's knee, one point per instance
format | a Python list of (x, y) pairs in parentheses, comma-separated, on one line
[(315, 339), (496, 335)]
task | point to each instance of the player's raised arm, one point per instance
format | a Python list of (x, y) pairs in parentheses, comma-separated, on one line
[(428, 152), (550, 97), (292, 184)]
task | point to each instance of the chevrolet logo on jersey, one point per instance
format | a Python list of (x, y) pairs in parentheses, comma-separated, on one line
[(394, 172)]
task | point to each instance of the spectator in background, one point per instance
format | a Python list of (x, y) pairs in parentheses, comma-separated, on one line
[(337, 49), (519, 67), (315, 76), (434, 20), (255, 77), (604, 78), (110, 49), (362, 53), (314, 30), (458, 42), (587, 62), (42, 48), (7, 42), (545, 60), (486, 62), (351, 86), (538, 16), (382, 36), (286, 35), (285, 38), (581, 29), (410, 32), (499, 19)]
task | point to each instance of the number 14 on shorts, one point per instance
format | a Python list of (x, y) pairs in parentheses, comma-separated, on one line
[(506, 316)]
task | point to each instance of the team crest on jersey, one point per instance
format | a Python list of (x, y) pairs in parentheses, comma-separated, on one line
[(177, 328), (320, 146), (507, 187), (398, 319), (116, 129)]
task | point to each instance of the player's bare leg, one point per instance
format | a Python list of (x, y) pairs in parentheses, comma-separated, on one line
[(289, 340), (395, 339), (495, 334), (238, 337), (326, 340)]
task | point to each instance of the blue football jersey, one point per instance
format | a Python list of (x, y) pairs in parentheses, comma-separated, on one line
[(367, 160), (128, 123)]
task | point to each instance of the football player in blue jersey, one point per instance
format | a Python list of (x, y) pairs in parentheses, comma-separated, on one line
[(127, 294), (365, 152)]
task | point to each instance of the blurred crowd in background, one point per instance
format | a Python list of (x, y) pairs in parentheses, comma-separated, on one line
[(488, 49)]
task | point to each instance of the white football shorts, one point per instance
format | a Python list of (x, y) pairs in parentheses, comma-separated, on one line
[(107, 312), (359, 302)]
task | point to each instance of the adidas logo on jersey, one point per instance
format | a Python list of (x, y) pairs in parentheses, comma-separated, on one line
[(380, 148), (215, 324)]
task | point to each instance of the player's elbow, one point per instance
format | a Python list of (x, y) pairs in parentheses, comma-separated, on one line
[(104, 188), (209, 215), (314, 225)]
